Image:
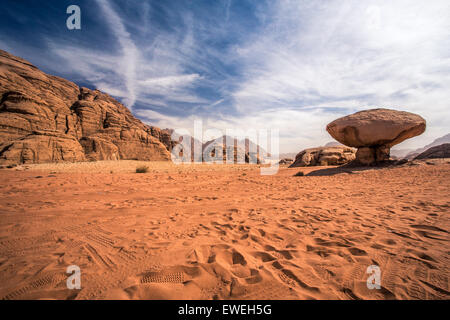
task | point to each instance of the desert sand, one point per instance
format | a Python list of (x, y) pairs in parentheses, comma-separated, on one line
[(223, 231)]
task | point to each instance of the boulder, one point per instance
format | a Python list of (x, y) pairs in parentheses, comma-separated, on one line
[(324, 156), (44, 118), (441, 151), (375, 131), (286, 161)]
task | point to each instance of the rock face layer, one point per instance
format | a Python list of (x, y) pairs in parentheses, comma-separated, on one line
[(44, 118), (324, 156), (441, 151), (375, 131)]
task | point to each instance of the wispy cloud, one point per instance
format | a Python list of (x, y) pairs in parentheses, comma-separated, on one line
[(144, 73), (227, 9), (291, 65), (216, 103), (350, 55), (129, 50)]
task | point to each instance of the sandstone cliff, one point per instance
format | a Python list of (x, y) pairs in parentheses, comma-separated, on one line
[(44, 118)]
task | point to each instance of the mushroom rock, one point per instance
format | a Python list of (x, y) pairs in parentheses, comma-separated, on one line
[(374, 132)]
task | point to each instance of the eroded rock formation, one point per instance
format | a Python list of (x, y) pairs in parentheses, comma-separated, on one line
[(324, 156), (234, 152), (441, 151), (375, 131), (286, 161), (44, 118)]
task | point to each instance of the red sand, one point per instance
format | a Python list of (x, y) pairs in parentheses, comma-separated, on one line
[(223, 232)]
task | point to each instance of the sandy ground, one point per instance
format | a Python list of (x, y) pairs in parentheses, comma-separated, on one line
[(223, 232)]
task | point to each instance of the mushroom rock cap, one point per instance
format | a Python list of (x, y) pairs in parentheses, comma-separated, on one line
[(376, 127)]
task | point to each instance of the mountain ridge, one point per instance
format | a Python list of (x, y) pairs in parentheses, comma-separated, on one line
[(436, 142)]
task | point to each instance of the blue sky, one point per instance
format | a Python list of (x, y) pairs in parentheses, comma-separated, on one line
[(290, 65)]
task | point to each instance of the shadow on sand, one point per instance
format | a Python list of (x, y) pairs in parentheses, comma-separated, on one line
[(352, 168)]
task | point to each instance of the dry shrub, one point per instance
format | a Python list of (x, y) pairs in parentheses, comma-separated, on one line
[(143, 169)]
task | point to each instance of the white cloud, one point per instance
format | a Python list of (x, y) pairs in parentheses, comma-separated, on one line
[(298, 129), (138, 70), (173, 88), (311, 63), (351, 55), (216, 103), (170, 81), (130, 52)]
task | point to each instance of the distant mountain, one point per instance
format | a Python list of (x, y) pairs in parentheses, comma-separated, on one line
[(440, 151), (198, 148), (333, 144), (249, 150), (289, 155), (195, 145), (437, 142), (400, 153)]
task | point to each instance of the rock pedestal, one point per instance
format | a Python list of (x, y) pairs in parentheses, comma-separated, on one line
[(374, 132)]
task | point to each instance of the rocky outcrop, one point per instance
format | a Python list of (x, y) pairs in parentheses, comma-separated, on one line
[(375, 131), (188, 149), (286, 161), (42, 146), (324, 156), (44, 118), (441, 151), (437, 142), (218, 150)]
